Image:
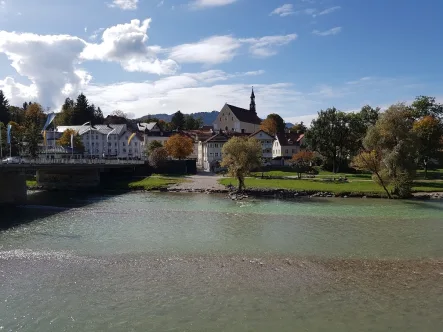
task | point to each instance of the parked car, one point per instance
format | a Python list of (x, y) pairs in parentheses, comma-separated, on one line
[(12, 160)]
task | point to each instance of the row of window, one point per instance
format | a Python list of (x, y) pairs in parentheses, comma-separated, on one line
[(115, 144), (278, 151), (109, 151)]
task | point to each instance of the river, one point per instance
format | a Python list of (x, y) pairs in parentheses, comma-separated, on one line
[(184, 262)]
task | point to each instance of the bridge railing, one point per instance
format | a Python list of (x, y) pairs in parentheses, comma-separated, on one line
[(44, 161)]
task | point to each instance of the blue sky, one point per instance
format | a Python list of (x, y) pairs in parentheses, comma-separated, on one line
[(153, 56)]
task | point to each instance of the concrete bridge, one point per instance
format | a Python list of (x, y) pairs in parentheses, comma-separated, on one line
[(56, 174)]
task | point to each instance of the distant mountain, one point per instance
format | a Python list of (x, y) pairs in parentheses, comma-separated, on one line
[(208, 117), (289, 125)]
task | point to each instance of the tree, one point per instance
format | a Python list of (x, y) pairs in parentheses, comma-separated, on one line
[(120, 114), (34, 122), (179, 146), (192, 123), (280, 123), (3, 144), (178, 121), (240, 156), (269, 126), (152, 146), (429, 132), (65, 117), (158, 157), (17, 138), (370, 161), (4, 104), (426, 106), (395, 143), (301, 162), (65, 140), (298, 128), (328, 135), (16, 114)]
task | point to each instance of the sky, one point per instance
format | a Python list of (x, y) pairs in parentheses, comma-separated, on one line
[(159, 56)]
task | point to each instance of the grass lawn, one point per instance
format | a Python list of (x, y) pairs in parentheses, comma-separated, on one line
[(334, 187), (148, 183)]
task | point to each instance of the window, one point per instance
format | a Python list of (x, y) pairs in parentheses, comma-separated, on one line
[(286, 151), (232, 118), (216, 154), (242, 131), (124, 150), (115, 144), (123, 143), (215, 145), (293, 151), (96, 136), (109, 144)]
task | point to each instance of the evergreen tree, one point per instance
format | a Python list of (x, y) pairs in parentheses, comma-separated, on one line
[(178, 121), (98, 116), (82, 111), (4, 104)]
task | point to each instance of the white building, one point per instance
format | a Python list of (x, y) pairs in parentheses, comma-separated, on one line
[(108, 141), (285, 146), (267, 142)]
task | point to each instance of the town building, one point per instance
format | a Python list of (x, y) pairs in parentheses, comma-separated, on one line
[(285, 146), (267, 142), (238, 120), (108, 141)]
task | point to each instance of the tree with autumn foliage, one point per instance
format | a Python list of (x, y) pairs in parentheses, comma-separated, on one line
[(302, 162), (273, 124), (179, 146), (65, 140), (429, 132), (34, 122)]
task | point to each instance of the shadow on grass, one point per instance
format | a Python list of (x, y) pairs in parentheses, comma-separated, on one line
[(434, 185)]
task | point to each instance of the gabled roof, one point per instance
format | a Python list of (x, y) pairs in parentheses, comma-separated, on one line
[(120, 129), (146, 126), (217, 138), (244, 115), (261, 130), (289, 139)]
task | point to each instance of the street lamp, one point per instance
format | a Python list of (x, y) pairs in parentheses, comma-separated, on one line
[(90, 137)]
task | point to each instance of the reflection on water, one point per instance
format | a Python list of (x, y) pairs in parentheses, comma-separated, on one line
[(162, 262)]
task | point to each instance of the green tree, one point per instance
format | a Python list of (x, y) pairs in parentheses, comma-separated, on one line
[(370, 161), (4, 111), (152, 146), (395, 143), (34, 122), (240, 156), (178, 121), (298, 128), (98, 116), (3, 144), (18, 139), (328, 135), (426, 106), (429, 132)]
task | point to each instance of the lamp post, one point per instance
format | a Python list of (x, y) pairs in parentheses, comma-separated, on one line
[(90, 137)]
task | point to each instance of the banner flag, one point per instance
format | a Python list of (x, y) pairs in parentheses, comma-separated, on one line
[(49, 119), (72, 141), (8, 133), (45, 142), (107, 137), (130, 138)]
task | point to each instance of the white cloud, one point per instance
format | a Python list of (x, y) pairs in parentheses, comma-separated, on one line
[(161, 3), (213, 50), (124, 4), (126, 44), (285, 10), (199, 4), (221, 49), (329, 32), (47, 61), (329, 10), (267, 46)]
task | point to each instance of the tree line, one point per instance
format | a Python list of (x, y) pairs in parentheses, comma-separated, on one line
[(391, 145)]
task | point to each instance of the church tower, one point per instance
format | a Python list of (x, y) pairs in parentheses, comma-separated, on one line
[(252, 104)]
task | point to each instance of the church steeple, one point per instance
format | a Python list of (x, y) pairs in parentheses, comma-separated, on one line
[(252, 104)]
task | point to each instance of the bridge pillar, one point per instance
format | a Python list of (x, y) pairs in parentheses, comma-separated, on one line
[(13, 187), (68, 179)]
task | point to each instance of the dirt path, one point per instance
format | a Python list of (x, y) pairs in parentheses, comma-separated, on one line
[(200, 182)]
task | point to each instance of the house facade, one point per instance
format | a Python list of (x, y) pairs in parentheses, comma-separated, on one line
[(285, 146), (267, 143), (108, 141), (238, 120)]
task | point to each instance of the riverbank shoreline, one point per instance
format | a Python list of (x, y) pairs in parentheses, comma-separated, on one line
[(252, 192)]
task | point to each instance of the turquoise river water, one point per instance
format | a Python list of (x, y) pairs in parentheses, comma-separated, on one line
[(184, 262)]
